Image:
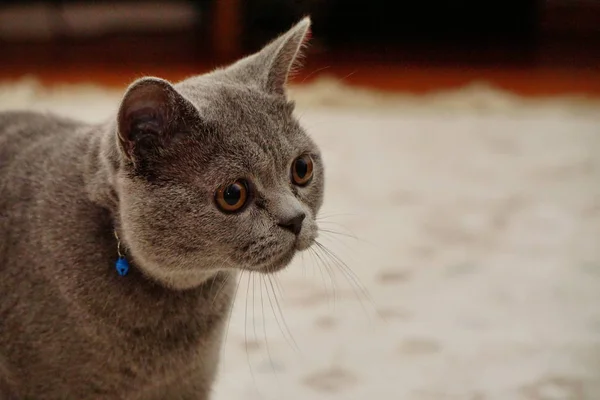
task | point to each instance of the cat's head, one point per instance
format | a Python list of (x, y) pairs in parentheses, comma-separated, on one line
[(216, 172)]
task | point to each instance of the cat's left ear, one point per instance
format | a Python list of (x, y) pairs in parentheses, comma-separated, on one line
[(272, 66), (151, 113)]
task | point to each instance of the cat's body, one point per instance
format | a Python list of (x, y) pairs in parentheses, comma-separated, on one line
[(70, 325), (111, 336)]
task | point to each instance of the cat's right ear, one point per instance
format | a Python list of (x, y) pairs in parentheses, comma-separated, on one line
[(272, 66), (151, 112)]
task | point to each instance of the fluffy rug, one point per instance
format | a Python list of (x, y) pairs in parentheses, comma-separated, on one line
[(470, 222)]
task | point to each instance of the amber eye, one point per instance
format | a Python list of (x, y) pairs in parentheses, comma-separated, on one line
[(233, 197), (302, 170)]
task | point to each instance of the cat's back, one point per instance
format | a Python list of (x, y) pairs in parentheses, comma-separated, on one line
[(23, 132), (32, 151)]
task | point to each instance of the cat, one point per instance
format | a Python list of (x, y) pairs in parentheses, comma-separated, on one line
[(187, 185)]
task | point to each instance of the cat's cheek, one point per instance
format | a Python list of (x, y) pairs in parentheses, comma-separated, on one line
[(312, 195), (308, 235)]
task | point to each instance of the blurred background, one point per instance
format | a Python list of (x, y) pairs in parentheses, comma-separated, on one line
[(460, 256), (534, 47)]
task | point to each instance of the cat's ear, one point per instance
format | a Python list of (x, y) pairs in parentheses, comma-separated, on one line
[(272, 66), (150, 114)]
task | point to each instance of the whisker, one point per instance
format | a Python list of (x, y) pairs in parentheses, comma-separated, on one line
[(337, 239), (348, 235), (262, 306), (212, 284), (303, 265), (348, 76), (334, 224), (338, 261), (320, 269), (275, 314), (223, 284), (315, 72), (278, 286), (246, 334), (331, 274), (313, 259), (326, 216), (343, 231), (349, 274), (319, 262), (339, 235), (287, 328), (253, 308), (231, 306)]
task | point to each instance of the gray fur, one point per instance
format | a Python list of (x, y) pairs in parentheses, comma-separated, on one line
[(70, 326)]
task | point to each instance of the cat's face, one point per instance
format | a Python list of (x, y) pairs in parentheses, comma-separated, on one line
[(217, 172)]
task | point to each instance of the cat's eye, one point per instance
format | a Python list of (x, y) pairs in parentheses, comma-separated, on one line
[(302, 170), (231, 198)]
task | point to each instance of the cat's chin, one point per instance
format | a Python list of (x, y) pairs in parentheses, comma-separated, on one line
[(181, 280), (278, 263), (285, 259)]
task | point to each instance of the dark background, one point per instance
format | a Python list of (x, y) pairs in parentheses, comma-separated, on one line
[(458, 34)]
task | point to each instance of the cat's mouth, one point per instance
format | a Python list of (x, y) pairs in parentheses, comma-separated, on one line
[(281, 261)]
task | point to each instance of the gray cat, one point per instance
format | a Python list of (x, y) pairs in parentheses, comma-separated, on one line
[(188, 184)]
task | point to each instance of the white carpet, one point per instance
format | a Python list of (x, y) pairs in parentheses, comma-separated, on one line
[(478, 219)]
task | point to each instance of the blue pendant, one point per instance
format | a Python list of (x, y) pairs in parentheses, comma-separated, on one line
[(122, 266)]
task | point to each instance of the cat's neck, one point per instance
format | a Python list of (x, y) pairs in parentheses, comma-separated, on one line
[(101, 163)]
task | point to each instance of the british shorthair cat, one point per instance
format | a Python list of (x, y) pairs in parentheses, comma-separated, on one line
[(120, 243)]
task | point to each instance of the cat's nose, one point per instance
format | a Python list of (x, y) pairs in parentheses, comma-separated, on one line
[(293, 224)]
